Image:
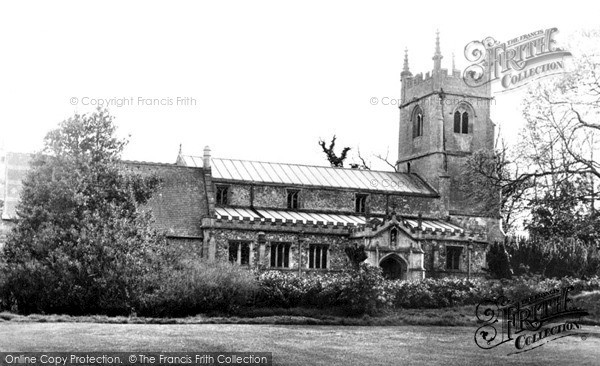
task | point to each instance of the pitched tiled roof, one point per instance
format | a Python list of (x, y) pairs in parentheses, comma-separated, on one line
[(178, 206), (180, 203), (310, 175)]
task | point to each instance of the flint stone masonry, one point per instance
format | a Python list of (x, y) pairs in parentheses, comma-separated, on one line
[(332, 200), (435, 259), (239, 195), (336, 256)]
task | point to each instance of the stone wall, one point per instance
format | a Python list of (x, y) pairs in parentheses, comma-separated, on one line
[(334, 200), (439, 152), (260, 254), (435, 259)]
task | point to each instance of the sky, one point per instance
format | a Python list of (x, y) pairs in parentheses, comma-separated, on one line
[(257, 80)]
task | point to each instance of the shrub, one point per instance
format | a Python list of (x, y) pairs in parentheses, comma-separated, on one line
[(279, 289), (498, 261), (357, 291), (197, 287), (435, 293), (525, 286), (556, 257), (364, 291)]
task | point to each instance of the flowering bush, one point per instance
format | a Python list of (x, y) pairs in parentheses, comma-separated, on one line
[(434, 293), (358, 291), (366, 291)]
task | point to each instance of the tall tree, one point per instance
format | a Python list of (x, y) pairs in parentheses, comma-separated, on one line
[(80, 245), (562, 135)]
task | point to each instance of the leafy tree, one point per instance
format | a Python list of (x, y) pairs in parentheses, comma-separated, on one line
[(498, 261), (357, 254), (81, 245), (560, 214), (554, 257)]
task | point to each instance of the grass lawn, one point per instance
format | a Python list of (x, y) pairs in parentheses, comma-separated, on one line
[(299, 344), (456, 316)]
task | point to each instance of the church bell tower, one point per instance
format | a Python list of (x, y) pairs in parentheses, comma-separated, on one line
[(442, 122)]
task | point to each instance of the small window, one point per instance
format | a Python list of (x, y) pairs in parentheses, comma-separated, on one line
[(461, 122), (360, 203), (222, 195), (453, 257), (317, 256), (292, 199), (280, 255), (239, 252)]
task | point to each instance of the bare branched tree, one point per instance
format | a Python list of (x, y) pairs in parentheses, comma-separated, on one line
[(386, 160), (502, 187), (362, 164), (556, 147), (335, 160), (562, 134)]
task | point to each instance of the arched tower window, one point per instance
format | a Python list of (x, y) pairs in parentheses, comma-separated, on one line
[(461, 120), (417, 119)]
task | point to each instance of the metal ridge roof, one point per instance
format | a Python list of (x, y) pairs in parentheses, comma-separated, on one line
[(434, 225), (303, 217), (271, 215), (313, 175)]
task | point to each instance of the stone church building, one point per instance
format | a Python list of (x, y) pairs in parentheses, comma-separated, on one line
[(414, 223)]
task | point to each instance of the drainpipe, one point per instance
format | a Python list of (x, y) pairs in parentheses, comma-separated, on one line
[(300, 241), (434, 258), (469, 250), (261, 249)]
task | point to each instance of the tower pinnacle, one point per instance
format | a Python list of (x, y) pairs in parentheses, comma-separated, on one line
[(405, 70), (437, 56)]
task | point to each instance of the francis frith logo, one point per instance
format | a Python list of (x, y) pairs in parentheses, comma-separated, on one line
[(516, 62), (530, 322)]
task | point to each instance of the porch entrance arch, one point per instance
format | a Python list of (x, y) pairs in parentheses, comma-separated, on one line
[(394, 267)]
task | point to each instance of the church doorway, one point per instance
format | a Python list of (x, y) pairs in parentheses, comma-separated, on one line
[(394, 268)]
